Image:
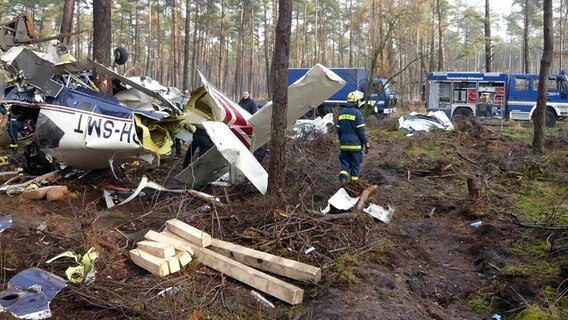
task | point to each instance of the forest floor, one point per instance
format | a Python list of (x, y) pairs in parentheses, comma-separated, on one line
[(427, 263)]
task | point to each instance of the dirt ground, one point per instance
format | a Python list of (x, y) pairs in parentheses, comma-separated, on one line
[(427, 263)]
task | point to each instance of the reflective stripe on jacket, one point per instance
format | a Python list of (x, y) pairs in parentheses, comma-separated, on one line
[(351, 129)]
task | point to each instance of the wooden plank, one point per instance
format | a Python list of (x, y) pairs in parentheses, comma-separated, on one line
[(189, 233), (267, 262), (158, 249), (160, 237), (245, 274), (184, 257), (173, 264), (153, 264)]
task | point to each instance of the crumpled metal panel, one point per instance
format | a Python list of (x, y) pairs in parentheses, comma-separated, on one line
[(30, 292)]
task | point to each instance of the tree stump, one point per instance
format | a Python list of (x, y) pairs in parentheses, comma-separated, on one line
[(472, 188)]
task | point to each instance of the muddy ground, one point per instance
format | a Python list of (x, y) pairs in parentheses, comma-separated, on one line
[(427, 263)]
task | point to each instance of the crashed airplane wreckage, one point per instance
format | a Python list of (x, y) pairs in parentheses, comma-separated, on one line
[(83, 128)]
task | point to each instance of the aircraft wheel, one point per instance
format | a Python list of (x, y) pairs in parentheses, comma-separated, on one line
[(120, 55)]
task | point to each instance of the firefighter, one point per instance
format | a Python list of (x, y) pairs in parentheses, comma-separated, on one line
[(352, 138)]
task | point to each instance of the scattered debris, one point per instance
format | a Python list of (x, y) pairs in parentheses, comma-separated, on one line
[(380, 213), (419, 122), (476, 224), (110, 195), (85, 271), (173, 290), (310, 249), (342, 201), (262, 299), (30, 292), (308, 127), (5, 223)]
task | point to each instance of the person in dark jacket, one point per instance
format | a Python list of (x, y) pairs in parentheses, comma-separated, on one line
[(352, 139), (247, 103), (200, 141)]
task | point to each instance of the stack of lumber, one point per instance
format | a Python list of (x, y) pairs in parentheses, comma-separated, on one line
[(160, 257), (235, 261)]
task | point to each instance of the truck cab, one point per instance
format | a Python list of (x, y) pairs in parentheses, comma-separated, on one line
[(523, 92), (379, 99)]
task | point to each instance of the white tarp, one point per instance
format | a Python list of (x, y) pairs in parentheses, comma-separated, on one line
[(419, 122)]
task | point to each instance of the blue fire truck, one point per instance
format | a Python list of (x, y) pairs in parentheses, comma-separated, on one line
[(495, 95), (381, 99)]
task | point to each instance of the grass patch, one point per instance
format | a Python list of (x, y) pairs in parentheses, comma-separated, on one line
[(479, 303), (345, 267), (532, 313), (540, 201)]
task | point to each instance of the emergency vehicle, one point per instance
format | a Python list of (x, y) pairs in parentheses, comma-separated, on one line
[(495, 95), (382, 99)]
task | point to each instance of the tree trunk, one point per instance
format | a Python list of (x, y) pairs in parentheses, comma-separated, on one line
[(102, 42), (487, 22), (220, 79), (149, 46), (67, 19), (186, 54), (277, 167), (441, 44), (78, 54), (174, 55), (252, 50), (538, 138), (526, 38), (267, 62), (238, 85)]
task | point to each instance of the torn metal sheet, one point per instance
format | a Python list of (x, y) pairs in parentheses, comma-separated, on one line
[(380, 213), (317, 85), (228, 154), (308, 127), (144, 183), (5, 223), (419, 122), (341, 200), (30, 292), (208, 103), (85, 270)]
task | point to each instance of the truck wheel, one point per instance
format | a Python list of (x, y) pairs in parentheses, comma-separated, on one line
[(462, 113), (550, 118)]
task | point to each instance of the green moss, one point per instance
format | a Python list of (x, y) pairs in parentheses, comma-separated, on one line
[(345, 267), (543, 272), (529, 245), (532, 313), (479, 303), (519, 270), (540, 201)]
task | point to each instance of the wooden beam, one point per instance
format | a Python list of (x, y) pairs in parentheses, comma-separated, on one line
[(267, 262), (245, 274), (189, 233), (153, 264), (183, 257), (160, 237), (173, 264), (158, 249)]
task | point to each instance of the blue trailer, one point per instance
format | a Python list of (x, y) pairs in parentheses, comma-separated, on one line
[(496, 95), (379, 97)]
